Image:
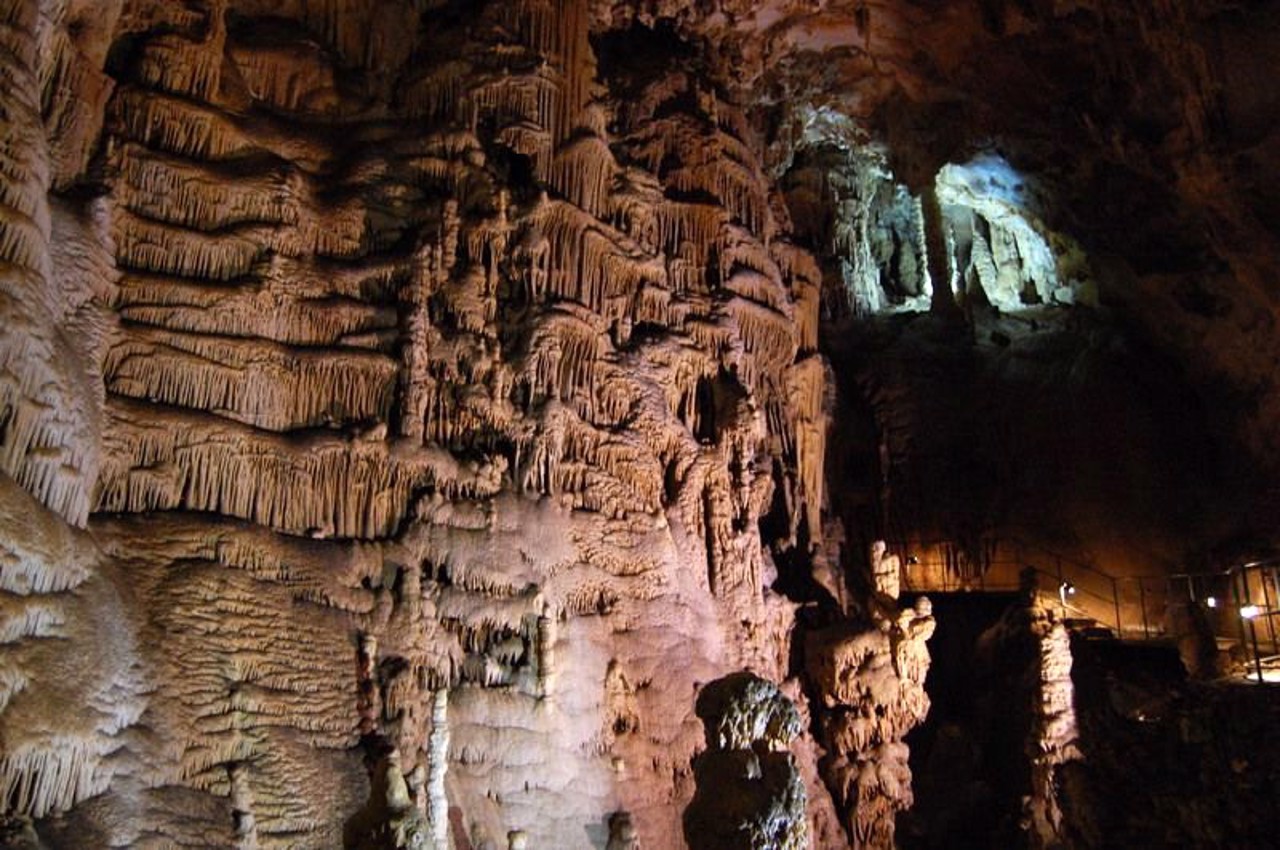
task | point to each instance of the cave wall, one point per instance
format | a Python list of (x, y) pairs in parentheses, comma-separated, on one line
[(407, 408), (1141, 713), (389, 409)]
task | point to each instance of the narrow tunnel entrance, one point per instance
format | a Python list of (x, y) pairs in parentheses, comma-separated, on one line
[(967, 759)]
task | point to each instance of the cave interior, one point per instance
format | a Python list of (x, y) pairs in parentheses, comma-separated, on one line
[(478, 424)]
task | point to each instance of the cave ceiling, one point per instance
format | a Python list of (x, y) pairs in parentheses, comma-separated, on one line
[(1144, 131)]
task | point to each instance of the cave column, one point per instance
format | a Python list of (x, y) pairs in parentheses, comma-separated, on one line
[(935, 249)]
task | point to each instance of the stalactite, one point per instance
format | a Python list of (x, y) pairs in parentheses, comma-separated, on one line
[(73, 103), (983, 262), (593, 265), (804, 281), (545, 649), (314, 242), (149, 246), (242, 807), (739, 191), (809, 384), (558, 30), (47, 439), (487, 245), (180, 127), (39, 779), (417, 377), (767, 291), (296, 78), (520, 99), (182, 67), (634, 203), (368, 699), (438, 765), (697, 226), (233, 311), (437, 95), (186, 193), (583, 172), (356, 488), (933, 233), (262, 384)]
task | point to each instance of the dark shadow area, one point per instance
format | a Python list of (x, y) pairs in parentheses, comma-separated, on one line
[(967, 761)]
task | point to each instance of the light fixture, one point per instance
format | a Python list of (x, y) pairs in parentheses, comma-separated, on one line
[(1249, 612), (1211, 601), (1064, 590)]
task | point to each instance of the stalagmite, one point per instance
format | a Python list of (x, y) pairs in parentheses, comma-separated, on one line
[(871, 680), (438, 766), (937, 256), (749, 793), (1054, 735)]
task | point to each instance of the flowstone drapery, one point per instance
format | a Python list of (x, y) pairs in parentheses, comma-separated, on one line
[(869, 672), (386, 403)]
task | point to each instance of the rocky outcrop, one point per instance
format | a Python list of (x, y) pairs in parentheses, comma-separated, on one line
[(749, 793), (1026, 720), (869, 673), (1139, 711), (396, 370)]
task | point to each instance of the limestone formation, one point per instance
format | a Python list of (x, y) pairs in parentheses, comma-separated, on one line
[(389, 821), (869, 673), (419, 399), (749, 793), (1029, 650), (417, 423)]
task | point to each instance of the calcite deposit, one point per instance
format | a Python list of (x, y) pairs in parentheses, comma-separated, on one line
[(869, 671), (387, 405), (440, 424), (750, 794)]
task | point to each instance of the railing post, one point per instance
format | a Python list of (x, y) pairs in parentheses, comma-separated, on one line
[(1244, 639), (1062, 597), (1142, 601), (1115, 600), (1266, 599)]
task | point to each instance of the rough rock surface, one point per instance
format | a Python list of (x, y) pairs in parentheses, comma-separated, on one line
[(386, 403), (408, 407), (869, 673), (1002, 756), (749, 794), (1138, 709)]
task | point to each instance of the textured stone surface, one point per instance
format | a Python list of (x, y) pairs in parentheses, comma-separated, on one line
[(400, 404), (407, 408), (750, 794), (869, 673)]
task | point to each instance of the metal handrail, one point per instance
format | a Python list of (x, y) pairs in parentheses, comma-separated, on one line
[(1244, 598), (1253, 586), (1065, 572), (1086, 580)]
